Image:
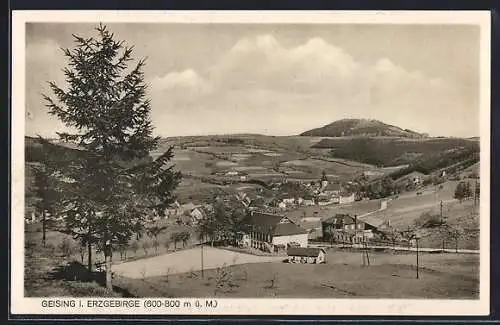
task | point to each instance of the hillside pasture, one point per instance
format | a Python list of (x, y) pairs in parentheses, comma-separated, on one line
[(194, 190), (343, 276), (405, 210), (190, 162), (327, 211), (315, 167)]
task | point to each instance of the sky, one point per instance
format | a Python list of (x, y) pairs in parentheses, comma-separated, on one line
[(281, 79)]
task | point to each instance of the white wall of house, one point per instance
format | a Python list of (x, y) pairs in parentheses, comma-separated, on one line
[(321, 257), (301, 239), (347, 199), (246, 241)]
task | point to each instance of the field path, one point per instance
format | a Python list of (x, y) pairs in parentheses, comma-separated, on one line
[(186, 261), (403, 248)]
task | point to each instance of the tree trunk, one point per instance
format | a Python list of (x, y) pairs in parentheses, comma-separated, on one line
[(89, 247), (44, 229), (109, 285)]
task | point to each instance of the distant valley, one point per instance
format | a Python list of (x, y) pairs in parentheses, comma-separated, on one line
[(222, 163)]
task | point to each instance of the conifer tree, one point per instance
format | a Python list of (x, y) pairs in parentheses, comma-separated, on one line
[(108, 193)]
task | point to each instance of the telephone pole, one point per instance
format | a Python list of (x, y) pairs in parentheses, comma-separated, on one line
[(475, 192), (416, 239), (201, 247), (441, 211)]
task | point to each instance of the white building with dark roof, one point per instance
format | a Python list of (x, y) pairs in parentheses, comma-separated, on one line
[(273, 232)]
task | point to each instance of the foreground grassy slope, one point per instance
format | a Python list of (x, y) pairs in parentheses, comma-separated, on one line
[(343, 276)]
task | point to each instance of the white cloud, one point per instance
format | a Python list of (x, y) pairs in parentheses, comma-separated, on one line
[(187, 79), (259, 85), (258, 81)]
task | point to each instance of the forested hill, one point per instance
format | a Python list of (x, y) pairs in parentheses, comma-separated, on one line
[(361, 127)]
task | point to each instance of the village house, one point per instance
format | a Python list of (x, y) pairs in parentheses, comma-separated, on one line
[(187, 214), (288, 201), (332, 189), (272, 232), (347, 199), (307, 255), (346, 228), (413, 178), (196, 215), (333, 193), (313, 226), (308, 202)]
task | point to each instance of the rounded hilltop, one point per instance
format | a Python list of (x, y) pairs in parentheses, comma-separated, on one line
[(361, 127)]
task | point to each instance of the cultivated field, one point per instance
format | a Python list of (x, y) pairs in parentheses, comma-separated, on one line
[(262, 157)]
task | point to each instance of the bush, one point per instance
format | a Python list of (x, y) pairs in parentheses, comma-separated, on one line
[(224, 280), (428, 220), (86, 289)]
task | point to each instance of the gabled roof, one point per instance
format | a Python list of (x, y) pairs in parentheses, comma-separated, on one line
[(345, 219), (372, 221), (287, 229), (332, 187), (275, 224), (310, 224), (304, 251)]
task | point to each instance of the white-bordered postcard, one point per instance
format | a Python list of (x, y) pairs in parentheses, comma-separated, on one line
[(250, 163)]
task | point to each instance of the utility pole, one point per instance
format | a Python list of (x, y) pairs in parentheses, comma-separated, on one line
[(475, 192), (441, 211), (355, 227), (416, 239), (201, 246), (409, 238), (44, 227)]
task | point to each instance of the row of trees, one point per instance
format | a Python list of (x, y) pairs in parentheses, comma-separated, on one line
[(464, 191), (68, 247), (227, 220), (427, 225), (105, 195)]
